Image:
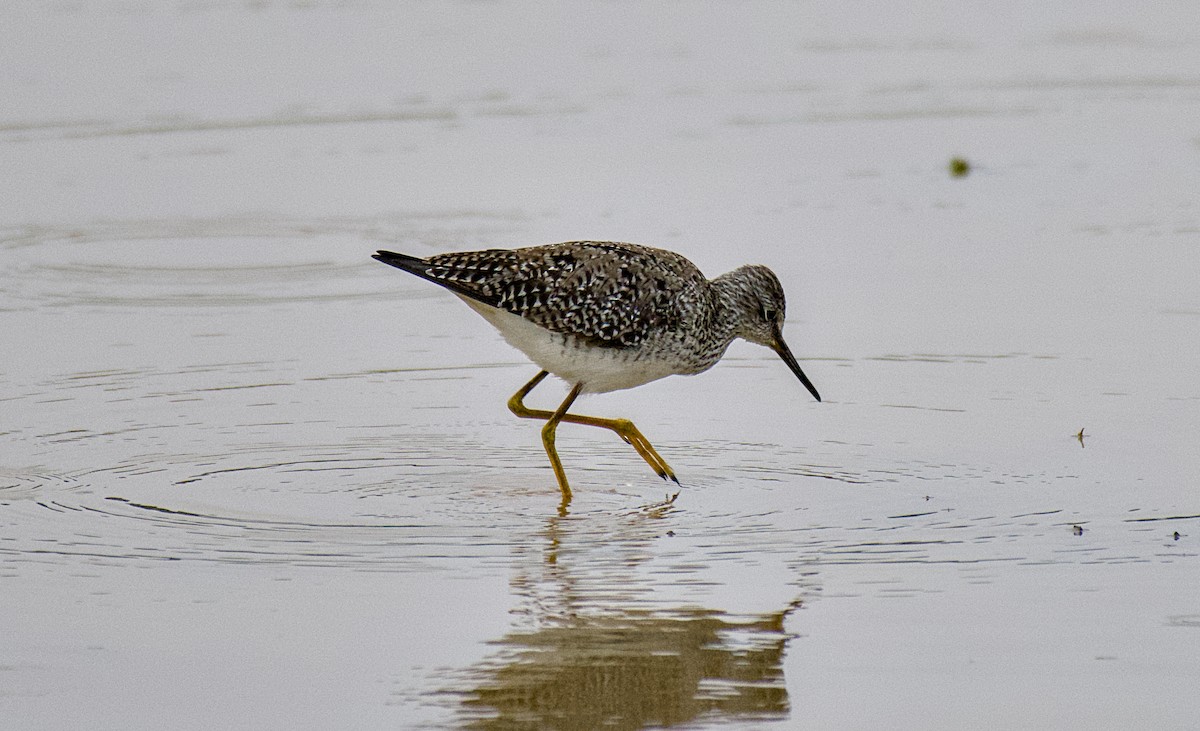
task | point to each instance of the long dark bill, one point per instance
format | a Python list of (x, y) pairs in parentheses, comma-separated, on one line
[(782, 348)]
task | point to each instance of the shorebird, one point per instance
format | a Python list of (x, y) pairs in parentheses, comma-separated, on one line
[(605, 316)]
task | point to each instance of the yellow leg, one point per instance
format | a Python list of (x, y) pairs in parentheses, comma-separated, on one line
[(548, 441), (623, 427)]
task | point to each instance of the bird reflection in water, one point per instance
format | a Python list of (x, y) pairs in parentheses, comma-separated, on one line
[(597, 652), (633, 671)]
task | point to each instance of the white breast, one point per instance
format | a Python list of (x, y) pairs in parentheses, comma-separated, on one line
[(598, 369)]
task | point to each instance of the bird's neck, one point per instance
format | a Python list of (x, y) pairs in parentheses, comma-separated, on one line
[(733, 303)]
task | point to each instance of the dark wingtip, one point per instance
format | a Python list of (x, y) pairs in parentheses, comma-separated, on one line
[(400, 261)]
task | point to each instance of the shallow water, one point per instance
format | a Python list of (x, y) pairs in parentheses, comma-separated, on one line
[(249, 477)]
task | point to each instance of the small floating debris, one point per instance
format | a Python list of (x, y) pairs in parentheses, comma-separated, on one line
[(1080, 435), (959, 167), (1077, 530), (1177, 536)]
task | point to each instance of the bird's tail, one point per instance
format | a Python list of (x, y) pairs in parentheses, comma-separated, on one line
[(414, 264)]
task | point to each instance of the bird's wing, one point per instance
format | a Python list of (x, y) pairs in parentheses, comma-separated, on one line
[(611, 294)]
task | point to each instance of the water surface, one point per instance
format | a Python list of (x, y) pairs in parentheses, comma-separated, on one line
[(249, 477)]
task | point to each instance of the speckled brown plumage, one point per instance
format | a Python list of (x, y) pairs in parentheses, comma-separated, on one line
[(608, 294), (650, 310)]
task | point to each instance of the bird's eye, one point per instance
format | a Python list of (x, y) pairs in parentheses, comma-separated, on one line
[(768, 314)]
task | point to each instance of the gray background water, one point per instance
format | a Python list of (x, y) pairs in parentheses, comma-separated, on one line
[(251, 479)]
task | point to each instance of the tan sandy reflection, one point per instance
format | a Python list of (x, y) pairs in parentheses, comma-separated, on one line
[(634, 671), (586, 664)]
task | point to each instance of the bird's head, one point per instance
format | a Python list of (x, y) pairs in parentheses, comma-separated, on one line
[(762, 309)]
